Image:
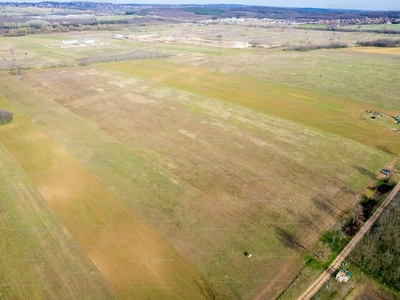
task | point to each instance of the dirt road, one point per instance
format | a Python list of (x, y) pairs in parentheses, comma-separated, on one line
[(314, 288)]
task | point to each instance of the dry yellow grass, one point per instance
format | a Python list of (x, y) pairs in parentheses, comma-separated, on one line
[(38, 258), (380, 50), (136, 261)]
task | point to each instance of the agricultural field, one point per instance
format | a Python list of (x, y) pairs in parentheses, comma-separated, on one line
[(312, 26), (39, 258), (8, 11), (119, 17), (157, 175), (204, 11), (379, 50), (130, 255), (375, 27)]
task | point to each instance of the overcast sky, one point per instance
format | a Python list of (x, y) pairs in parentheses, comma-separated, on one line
[(345, 4)]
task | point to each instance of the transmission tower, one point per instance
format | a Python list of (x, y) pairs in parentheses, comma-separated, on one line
[(15, 64)]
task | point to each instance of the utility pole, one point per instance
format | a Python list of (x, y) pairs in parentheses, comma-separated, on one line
[(15, 64), (220, 41)]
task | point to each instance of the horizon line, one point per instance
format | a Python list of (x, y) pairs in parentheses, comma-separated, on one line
[(331, 6)]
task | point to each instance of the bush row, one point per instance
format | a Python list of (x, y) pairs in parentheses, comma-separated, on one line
[(380, 43), (122, 57), (313, 47)]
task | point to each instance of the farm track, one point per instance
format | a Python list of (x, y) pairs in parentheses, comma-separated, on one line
[(263, 293), (317, 285)]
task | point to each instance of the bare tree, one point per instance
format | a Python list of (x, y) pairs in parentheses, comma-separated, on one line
[(378, 254), (321, 251)]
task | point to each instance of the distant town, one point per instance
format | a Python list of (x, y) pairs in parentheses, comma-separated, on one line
[(327, 16)]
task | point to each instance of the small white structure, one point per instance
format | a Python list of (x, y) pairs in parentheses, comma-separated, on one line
[(89, 41), (240, 45), (69, 44), (81, 43), (343, 276), (118, 36)]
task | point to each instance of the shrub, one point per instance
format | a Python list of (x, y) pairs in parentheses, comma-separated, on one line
[(380, 43), (5, 117), (313, 47), (378, 252), (122, 57)]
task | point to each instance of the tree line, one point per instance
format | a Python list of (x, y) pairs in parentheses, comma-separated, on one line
[(359, 29), (378, 254), (380, 43), (35, 27)]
